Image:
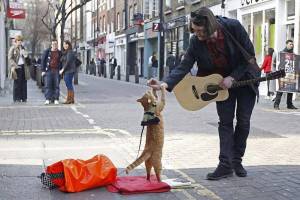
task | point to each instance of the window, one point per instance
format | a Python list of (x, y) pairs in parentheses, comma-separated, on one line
[(118, 21), (290, 9), (130, 17), (135, 10), (123, 19), (103, 24), (168, 3)]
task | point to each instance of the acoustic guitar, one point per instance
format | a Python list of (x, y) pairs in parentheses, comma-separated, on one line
[(194, 93)]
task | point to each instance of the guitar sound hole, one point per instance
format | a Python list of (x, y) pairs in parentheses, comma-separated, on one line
[(212, 89)]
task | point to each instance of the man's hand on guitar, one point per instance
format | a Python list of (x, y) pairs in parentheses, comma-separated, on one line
[(227, 82), (156, 85)]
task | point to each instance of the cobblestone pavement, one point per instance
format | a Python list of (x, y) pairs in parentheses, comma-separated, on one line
[(33, 135)]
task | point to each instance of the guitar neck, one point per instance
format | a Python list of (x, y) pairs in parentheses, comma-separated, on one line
[(248, 82)]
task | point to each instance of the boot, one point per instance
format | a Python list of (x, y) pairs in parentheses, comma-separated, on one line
[(219, 173), (72, 97), (239, 169), (68, 97)]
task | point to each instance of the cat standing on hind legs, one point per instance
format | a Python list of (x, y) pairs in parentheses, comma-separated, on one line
[(152, 153)]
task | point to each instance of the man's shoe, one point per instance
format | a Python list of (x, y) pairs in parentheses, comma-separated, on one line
[(219, 173), (47, 102), (239, 169), (292, 107), (276, 106), (56, 102)]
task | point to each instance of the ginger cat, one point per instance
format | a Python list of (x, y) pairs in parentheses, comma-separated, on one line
[(152, 153)]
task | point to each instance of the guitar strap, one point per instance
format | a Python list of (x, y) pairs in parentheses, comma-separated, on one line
[(247, 56)]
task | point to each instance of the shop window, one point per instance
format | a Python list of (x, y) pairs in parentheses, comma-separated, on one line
[(246, 21), (290, 9), (168, 3), (269, 29), (257, 35), (290, 32)]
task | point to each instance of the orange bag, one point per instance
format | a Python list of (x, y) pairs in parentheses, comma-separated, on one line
[(77, 175)]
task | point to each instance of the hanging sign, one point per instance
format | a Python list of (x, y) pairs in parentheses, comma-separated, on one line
[(16, 10)]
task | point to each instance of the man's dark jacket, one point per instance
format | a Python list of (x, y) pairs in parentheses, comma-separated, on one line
[(46, 60), (198, 52)]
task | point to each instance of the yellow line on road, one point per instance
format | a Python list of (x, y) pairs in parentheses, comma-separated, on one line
[(201, 190)]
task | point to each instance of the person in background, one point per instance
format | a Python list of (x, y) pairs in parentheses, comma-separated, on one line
[(51, 64), (289, 100), (92, 67), (68, 70), (171, 62), (267, 67), (19, 69), (154, 62)]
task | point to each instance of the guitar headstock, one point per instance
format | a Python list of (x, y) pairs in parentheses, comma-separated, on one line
[(276, 75)]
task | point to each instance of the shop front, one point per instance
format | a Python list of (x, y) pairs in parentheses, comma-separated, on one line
[(177, 36), (121, 52), (269, 24)]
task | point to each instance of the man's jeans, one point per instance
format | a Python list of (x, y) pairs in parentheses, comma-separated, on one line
[(52, 85), (241, 102)]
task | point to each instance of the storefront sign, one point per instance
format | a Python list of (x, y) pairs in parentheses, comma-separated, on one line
[(16, 10), (132, 37), (291, 63), (250, 2), (177, 22)]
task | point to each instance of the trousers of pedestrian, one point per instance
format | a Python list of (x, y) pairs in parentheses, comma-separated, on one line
[(289, 98), (52, 78), (240, 104), (20, 85), (68, 78)]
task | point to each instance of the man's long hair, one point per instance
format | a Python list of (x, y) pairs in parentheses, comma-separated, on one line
[(204, 17)]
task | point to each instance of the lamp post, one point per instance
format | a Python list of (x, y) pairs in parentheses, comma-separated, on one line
[(161, 41)]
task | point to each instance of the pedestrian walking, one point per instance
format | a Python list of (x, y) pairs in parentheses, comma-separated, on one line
[(19, 69), (154, 62), (113, 64), (51, 65), (289, 100), (171, 61), (219, 54), (92, 67), (102, 70), (68, 70)]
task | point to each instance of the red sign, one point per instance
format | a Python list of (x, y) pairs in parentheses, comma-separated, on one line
[(16, 13), (156, 27), (15, 10)]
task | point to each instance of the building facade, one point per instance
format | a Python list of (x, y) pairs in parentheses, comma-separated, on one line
[(2, 45)]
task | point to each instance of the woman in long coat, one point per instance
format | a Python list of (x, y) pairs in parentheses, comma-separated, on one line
[(19, 70)]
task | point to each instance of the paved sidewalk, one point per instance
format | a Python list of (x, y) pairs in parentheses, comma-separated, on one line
[(28, 141)]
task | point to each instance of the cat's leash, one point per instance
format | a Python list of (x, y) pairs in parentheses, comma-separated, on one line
[(124, 171)]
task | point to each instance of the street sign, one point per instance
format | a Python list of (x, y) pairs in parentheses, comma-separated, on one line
[(156, 27), (16, 10)]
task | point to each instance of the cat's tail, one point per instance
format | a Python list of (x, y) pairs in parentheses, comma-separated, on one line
[(145, 156)]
